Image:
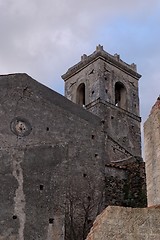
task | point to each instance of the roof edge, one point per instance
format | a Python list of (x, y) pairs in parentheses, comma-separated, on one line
[(100, 53)]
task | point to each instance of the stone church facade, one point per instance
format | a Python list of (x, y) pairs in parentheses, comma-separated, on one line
[(64, 159)]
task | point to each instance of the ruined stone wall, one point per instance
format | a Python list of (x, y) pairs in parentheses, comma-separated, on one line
[(152, 154), (126, 183), (126, 223)]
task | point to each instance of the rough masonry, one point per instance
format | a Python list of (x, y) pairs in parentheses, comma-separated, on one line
[(152, 154), (119, 223)]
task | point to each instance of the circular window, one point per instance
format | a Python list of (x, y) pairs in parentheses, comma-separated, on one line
[(20, 126)]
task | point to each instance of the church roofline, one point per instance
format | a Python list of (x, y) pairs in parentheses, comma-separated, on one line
[(100, 53), (24, 81)]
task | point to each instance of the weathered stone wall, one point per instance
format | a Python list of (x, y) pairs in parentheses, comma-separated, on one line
[(122, 127), (119, 223), (52, 164), (152, 155), (125, 183), (50, 156)]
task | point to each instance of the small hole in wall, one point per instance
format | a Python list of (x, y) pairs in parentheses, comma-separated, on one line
[(47, 129), (51, 220), (14, 217), (92, 92), (96, 154), (89, 221), (84, 175), (93, 136), (41, 186), (112, 117), (17, 172), (89, 198), (106, 90)]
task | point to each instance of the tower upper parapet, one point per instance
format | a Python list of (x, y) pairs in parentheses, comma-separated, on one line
[(100, 53)]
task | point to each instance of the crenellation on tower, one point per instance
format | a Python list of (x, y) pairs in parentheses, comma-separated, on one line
[(83, 57), (101, 53)]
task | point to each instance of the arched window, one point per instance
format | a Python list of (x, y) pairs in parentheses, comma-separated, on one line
[(80, 97), (120, 95)]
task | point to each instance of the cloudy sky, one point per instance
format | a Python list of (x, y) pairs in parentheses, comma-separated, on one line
[(45, 37)]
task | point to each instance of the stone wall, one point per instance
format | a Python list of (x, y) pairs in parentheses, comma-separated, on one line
[(52, 164), (152, 154), (126, 183), (122, 126), (119, 223), (51, 151)]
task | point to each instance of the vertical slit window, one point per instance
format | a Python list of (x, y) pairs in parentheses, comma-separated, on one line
[(80, 98), (120, 95)]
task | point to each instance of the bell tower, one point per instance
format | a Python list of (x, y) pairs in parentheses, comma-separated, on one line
[(108, 87)]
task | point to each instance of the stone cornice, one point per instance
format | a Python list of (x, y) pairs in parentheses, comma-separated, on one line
[(101, 54)]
